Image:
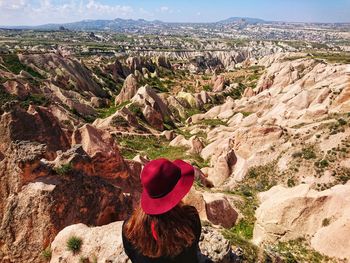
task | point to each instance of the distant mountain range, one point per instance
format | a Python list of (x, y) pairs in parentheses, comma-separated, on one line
[(120, 24), (247, 20), (131, 25)]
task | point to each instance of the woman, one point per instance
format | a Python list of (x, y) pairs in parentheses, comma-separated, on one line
[(162, 228)]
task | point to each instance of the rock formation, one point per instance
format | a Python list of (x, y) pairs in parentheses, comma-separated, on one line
[(322, 217), (104, 244), (128, 91)]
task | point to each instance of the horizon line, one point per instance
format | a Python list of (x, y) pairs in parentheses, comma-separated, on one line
[(173, 22)]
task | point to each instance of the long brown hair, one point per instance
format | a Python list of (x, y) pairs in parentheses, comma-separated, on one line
[(174, 231)]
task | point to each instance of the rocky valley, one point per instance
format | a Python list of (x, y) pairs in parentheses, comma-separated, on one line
[(266, 123)]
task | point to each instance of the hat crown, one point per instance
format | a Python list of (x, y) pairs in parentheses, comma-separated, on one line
[(159, 177)]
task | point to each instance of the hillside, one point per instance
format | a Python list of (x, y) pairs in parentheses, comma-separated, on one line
[(266, 125)]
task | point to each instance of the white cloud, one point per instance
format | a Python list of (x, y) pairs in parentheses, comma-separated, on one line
[(17, 12), (198, 13), (12, 5), (93, 6), (146, 13), (164, 9)]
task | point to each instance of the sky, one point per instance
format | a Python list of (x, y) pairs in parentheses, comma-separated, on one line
[(37, 12)]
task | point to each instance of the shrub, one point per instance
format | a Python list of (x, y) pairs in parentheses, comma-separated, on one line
[(12, 62), (297, 154), (308, 153), (64, 169), (342, 122), (213, 122), (136, 110), (83, 259), (74, 244), (326, 222), (47, 254), (207, 88), (290, 182), (322, 164)]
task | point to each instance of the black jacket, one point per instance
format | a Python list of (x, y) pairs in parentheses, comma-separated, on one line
[(189, 255)]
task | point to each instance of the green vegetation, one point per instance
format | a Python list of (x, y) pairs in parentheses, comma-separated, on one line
[(155, 147), (291, 182), (13, 64), (322, 164), (326, 222), (298, 250), (47, 254), (192, 111), (207, 88), (107, 80), (246, 114), (241, 234), (83, 259), (151, 146), (64, 169), (342, 175), (5, 97), (260, 178), (250, 251), (136, 110), (106, 112), (74, 244), (307, 153), (35, 99), (333, 57), (157, 84), (213, 122), (237, 92)]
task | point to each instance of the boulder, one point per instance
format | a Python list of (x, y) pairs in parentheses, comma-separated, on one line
[(98, 102), (37, 125), (215, 248), (122, 120), (36, 202), (101, 244), (105, 244), (196, 145), (102, 149), (248, 92), (223, 166), (169, 135), (218, 83), (128, 91), (219, 211), (153, 117), (320, 217), (147, 96)]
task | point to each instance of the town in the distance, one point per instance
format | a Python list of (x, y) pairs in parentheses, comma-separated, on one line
[(261, 109)]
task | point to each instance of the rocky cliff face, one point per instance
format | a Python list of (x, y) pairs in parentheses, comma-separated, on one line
[(269, 136)]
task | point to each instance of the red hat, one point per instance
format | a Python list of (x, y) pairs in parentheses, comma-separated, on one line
[(165, 183)]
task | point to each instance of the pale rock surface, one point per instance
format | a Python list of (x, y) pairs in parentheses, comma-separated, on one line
[(147, 96), (104, 244), (289, 213), (128, 91), (218, 83)]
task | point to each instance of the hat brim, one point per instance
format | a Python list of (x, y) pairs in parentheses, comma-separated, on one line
[(157, 206)]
